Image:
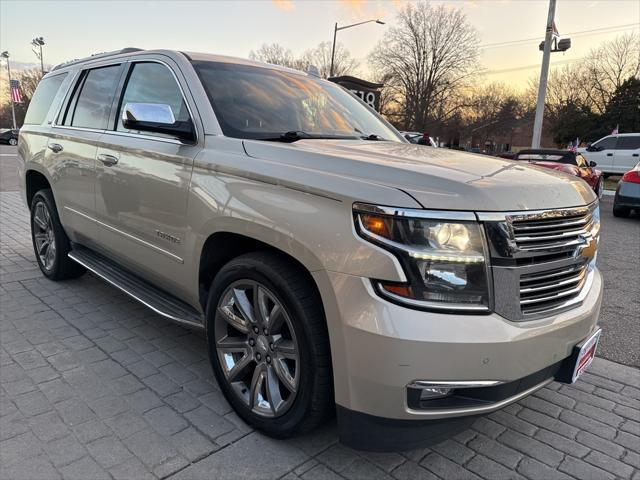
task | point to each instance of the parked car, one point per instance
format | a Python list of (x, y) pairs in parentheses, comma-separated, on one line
[(416, 137), (9, 137), (614, 154), (568, 162), (628, 193), (508, 155), (333, 266)]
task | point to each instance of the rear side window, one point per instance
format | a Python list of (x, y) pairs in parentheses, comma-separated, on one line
[(628, 143), (153, 83), (608, 143), (42, 99), (91, 102)]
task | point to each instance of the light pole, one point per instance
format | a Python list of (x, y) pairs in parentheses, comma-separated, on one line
[(5, 55), (336, 28), (550, 45), (38, 42)]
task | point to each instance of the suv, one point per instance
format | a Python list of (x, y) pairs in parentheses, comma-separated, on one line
[(614, 154), (332, 265)]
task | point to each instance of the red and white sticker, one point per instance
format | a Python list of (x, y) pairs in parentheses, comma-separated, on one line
[(586, 355)]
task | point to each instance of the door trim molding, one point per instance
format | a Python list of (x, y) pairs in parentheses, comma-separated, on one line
[(127, 235)]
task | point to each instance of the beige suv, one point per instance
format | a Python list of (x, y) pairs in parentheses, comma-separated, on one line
[(334, 266)]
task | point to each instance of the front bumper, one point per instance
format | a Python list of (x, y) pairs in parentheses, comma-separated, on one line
[(378, 348)]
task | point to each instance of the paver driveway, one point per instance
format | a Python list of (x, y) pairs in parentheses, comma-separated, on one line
[(95, 385)]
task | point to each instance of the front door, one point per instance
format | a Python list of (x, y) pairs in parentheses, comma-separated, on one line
[(143, 181)]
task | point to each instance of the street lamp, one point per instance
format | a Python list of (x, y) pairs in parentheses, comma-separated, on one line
[(336, 28), (38, 42), (5, 55)]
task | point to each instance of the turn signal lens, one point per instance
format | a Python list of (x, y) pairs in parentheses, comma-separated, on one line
[(375, 225)]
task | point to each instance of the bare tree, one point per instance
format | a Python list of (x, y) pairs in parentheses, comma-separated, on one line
[(320, 57), (276, 54), (606, 68), (428, 57)]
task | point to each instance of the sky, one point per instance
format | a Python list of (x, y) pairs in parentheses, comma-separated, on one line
[(75, 29)]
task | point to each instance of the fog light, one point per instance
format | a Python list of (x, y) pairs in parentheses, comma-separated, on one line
[(429, 393)]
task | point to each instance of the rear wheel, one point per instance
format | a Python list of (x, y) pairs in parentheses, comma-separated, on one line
[(50, 243), (13, 142), (268, 344)]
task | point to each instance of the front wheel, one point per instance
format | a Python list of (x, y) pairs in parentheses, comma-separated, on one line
[(600, 187), (268, 344)]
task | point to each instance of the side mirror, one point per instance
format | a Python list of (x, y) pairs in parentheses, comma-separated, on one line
[(592, 164), (156, 118)]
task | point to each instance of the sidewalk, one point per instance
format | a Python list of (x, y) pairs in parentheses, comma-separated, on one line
[(97, 386)]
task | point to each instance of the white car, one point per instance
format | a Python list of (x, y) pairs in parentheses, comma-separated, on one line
[(614, 154)]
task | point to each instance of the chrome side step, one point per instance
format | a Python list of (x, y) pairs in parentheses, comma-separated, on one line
[(157, 300)]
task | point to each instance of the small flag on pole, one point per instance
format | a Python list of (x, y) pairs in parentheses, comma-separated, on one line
[(615, 131), (16, 96)]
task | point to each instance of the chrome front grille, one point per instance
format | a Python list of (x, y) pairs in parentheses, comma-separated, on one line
[(551, 231), (549, 289), (542, 262)]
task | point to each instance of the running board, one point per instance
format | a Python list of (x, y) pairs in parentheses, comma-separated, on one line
[(157, 300)]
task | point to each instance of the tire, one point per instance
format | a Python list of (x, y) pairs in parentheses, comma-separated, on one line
[(50, 243), (299, 326), (600, 187), (13, 142), (621, 212)]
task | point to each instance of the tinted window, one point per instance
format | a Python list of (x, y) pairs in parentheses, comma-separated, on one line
[(153, 83), (628, 143), (608, 143), (263, 103), (91, 104), (42, 99)]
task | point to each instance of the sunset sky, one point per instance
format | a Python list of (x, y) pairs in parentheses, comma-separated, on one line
[(74, 29)]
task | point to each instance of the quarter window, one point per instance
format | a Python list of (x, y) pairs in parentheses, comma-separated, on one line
[(628, 143), (42, 99), (91, 102), (153, 83)]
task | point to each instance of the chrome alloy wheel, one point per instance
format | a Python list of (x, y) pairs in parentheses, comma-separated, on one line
[(257, 348), (44, 236)]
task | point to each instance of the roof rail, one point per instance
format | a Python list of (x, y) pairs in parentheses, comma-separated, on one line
[(98, 55)]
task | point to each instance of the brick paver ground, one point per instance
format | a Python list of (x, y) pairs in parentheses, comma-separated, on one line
[(94, 385)]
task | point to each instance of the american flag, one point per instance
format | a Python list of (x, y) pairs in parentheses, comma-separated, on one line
[(16, 96)]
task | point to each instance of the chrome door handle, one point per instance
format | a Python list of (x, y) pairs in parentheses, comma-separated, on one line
[(108, 160), (55, 147)]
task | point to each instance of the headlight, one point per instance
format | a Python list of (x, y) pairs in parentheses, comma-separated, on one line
[(444, 257)]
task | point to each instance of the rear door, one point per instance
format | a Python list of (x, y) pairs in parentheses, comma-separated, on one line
[(72, 148), (143, 178), (627, 153)]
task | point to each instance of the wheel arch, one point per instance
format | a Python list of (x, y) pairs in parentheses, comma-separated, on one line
[(35, 180)]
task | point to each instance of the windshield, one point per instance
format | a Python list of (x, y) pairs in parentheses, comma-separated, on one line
[(262, 103), (568, 158)]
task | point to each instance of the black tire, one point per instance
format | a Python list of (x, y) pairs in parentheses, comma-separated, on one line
[(313, 402), (621, 212), (60, 267)]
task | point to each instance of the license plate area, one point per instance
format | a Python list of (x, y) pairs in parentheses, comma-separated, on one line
[(581, 357)]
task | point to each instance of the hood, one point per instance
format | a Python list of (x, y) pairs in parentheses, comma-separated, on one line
[(437, 178)]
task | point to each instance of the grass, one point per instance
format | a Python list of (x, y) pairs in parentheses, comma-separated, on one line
[(611, 183)]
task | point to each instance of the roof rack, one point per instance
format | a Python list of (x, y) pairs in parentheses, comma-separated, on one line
[(97, 56)]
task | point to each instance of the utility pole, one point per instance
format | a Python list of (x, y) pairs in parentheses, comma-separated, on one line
[(38, 42), (544, 74), (5, 55)]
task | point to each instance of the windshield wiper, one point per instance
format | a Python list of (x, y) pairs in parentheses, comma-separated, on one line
[(295, 135)]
